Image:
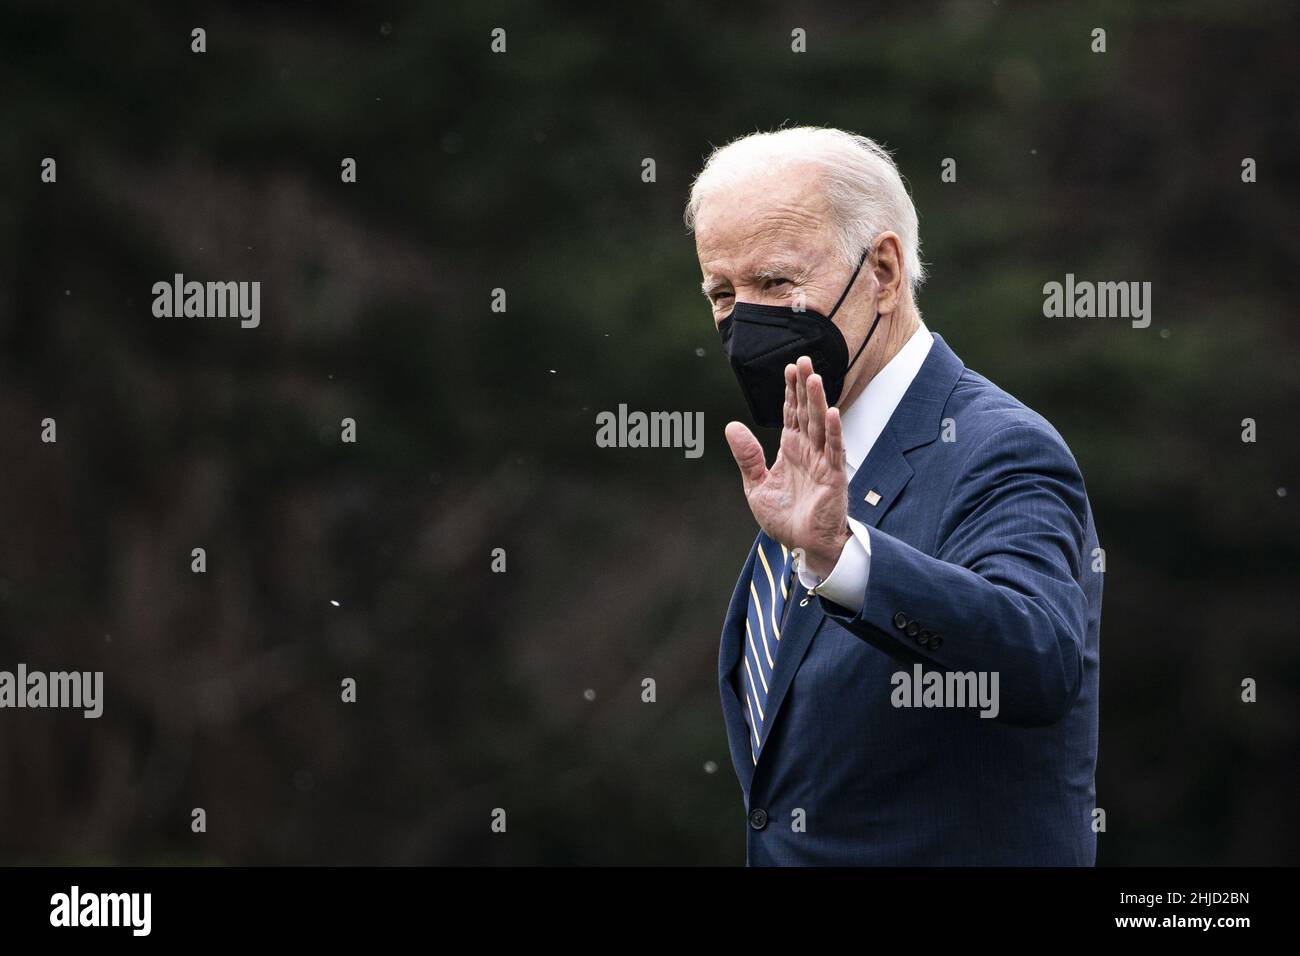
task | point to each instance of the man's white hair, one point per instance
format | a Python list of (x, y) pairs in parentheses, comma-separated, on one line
[(865, 190)]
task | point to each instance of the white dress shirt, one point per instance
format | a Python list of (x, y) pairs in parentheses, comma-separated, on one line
[(863, 421)]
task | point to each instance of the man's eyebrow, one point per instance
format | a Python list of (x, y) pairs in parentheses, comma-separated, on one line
[(777, 268), (712, 284), (771, 270)]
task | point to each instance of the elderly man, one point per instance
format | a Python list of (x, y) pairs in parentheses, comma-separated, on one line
[(909, 661)]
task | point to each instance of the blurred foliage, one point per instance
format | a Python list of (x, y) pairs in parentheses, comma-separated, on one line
[(522, 172)]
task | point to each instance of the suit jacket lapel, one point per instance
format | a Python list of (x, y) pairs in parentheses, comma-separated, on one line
[(879, 481), (728, 657)]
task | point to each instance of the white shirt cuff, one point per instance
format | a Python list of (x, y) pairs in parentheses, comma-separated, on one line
[(846, 585)]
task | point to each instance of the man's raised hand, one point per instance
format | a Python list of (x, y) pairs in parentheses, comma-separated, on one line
[(802, 500)]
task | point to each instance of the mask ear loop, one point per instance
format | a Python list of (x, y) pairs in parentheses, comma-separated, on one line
[(870, 332), (844, 295)]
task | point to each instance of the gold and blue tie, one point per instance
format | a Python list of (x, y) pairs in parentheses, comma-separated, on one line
[(768, 589)]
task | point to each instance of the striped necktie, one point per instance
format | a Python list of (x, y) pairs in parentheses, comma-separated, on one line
[(768, 590)]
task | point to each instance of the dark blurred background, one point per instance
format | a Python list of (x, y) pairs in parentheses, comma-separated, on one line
[(522, 171)]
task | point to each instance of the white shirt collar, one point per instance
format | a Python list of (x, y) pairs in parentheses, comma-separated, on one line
[(870, 412)]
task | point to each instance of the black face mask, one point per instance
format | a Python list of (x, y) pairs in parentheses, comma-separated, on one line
[(761, 340)]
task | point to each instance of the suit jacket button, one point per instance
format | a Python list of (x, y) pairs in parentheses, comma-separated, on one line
[(900, 620), (924, 638), (935, 641), (758, 818), (912, 629)]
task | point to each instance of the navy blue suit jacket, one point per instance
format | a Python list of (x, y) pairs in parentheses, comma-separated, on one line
[(982, 560)]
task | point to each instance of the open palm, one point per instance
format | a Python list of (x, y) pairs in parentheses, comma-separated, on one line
[(802, 500)]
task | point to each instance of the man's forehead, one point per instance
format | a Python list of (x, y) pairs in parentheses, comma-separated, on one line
[(771, 247), (750, 227)]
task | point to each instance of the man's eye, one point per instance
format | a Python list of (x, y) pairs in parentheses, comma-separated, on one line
[(719, 296)]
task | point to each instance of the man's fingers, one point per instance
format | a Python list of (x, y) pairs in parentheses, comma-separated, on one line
[(748, 454), (835, 440), (790, 374), (816, 412), (804, 366)]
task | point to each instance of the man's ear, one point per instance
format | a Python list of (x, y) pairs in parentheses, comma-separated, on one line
[(887, 266)]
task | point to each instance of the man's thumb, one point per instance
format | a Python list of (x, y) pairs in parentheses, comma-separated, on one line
[(748, 454)]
